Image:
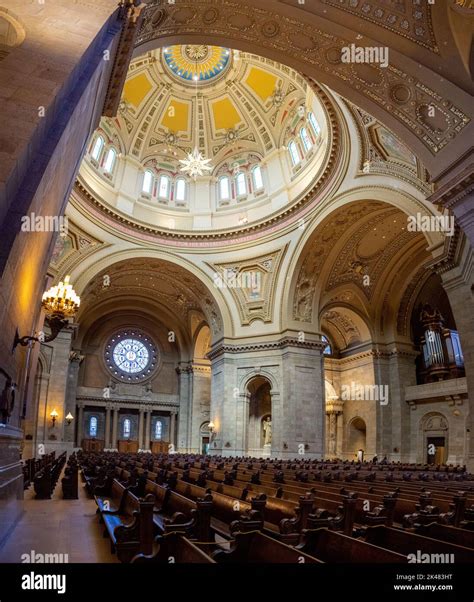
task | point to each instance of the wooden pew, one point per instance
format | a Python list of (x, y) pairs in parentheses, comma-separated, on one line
[(330, 546), (460, 537), (176, 548), (255, 546), (130, 526), (174, 512), (406, 543)]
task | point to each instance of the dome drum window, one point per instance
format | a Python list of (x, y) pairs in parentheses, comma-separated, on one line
[(131, 356)]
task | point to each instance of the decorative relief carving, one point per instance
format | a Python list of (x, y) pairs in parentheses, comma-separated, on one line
[(252, 283), (408, 18), (318, 251), (350, 266), (404, 96)]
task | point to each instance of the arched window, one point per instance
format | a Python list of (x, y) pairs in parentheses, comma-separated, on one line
[(164, 189), (257, 177), (147, 182), (97, 148), (305, 139), (127, 428), (328, 348), (180, 189), (93, 426), (294, 154), (110, 160), (158, 430), (241, 184), (224, 188), (314, 124)]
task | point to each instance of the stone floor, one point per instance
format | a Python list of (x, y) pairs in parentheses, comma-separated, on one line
[(58, 526)]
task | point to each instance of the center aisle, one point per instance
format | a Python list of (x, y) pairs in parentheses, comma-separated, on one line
[(58, 526)]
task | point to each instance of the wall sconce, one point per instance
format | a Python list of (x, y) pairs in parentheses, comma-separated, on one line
[(69, 418), (54, 415), (59, 302), (211, 427)]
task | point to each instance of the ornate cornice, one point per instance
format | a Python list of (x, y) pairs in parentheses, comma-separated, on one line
[(265, 346)]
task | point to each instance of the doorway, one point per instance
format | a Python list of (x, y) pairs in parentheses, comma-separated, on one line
[(438, 446)]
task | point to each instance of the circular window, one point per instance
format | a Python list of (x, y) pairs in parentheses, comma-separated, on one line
[(131, 355)]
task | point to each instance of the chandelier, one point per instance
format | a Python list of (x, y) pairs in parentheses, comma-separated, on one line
[(61, 299), (196, 163), (59, 302)]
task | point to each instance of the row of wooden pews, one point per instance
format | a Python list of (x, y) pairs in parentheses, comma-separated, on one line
[(69, 482), (228, 509), (45, 480), (33, 466)]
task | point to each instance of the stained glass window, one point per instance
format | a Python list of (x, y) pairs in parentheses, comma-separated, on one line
[(307, 144), (257, 177), (181, 190), (241, 184), (294, 154), (127, 428), (158, 429), (224, 188), (131, 355), (147, 182), (327, 349), (93, 426), (164, 187), (314, 124), (97, 148), (110, 160)]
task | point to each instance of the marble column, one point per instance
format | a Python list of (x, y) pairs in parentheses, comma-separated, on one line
[(147, 430), (108, 409), (140, 428), (80, 424), (114, 428), (185, 373)]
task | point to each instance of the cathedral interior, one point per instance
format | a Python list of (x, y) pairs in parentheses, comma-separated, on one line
[(220, 240)]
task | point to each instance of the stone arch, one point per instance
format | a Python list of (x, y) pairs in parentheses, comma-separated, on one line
[(433, 438), (303, 289), (259, 394), (356, 436), (219, 318)]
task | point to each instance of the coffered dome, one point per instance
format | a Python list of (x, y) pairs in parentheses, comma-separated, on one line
[(261, 125)]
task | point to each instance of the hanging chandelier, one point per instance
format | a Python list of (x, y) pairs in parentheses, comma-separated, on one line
[(196, 163)]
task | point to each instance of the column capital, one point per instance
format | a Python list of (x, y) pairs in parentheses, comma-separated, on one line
[(75, 356)]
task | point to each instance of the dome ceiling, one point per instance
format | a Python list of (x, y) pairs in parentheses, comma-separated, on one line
[(240, 101), (265, 130)]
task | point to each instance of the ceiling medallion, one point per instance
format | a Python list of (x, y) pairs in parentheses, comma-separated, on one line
[(188, 61)]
